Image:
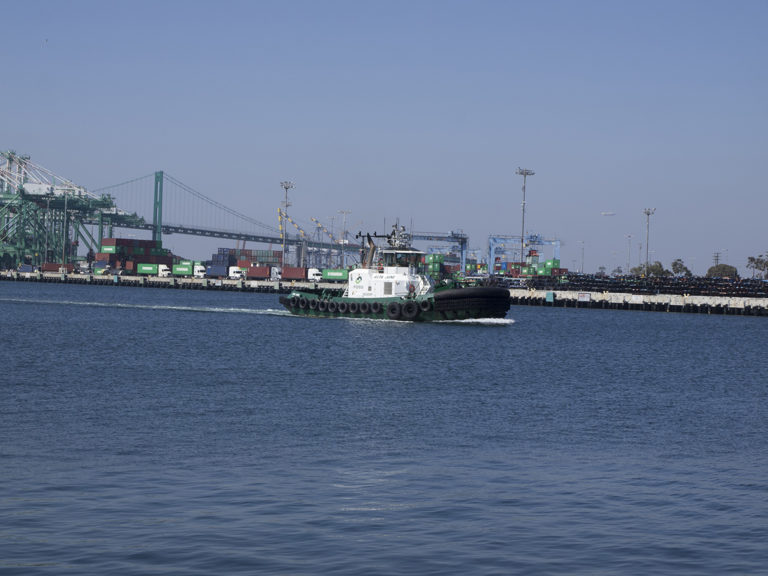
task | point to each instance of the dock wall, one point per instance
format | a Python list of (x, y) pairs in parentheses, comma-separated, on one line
[(649, 302), (172, 282), (685, 303)]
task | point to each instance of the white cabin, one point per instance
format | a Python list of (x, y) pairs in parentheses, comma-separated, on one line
[(395, 273)]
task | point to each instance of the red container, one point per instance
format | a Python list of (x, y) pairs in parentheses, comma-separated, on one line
[(243, 263), (291, 273), (257, 272), (55, 266)]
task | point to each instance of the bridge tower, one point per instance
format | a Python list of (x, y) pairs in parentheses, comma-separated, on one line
[(157, 215)]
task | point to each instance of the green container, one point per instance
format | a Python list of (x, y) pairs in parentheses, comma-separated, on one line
[(182, 270), (335, 274), (109, 249), (146, 268)]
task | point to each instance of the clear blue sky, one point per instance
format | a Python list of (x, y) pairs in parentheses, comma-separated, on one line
[(418, 110)]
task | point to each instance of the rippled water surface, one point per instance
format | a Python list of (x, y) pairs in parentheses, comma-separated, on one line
[(151, 431)]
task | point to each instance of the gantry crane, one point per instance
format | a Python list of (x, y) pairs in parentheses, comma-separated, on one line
[(495, 242), (43, 216), (453, 237)]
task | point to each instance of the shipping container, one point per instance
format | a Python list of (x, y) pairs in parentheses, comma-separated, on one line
[(258, 272), (293, 273), (146, 268), (105, 256), (182, 269), (216, 271), (335, 274)]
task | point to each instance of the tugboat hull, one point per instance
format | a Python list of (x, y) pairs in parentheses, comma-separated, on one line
[(451, 304)]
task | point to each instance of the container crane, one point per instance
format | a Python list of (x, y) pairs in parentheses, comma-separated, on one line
[(43, 216), (453, 237), (496, 242)]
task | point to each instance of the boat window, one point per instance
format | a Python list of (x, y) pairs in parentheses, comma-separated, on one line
[(387, 288)]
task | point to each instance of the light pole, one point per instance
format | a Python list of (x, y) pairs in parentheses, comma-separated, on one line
[(344, 236), (524, 172), (629, 250), (64, 234), (582, 256), (648, 212), (287, 185), (330, 255)]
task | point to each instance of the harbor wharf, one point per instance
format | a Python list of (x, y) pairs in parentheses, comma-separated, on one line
[(703, 297), (737, 296), (170, 282), (688, 303)]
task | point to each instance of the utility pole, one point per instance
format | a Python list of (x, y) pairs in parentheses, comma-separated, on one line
[(648, 212), (287, 185), (524, 172)]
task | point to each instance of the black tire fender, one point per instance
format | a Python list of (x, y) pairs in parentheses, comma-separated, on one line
[(410, 310), (394, 310)]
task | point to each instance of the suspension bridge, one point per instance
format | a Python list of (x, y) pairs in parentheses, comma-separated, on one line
[(45, 217)]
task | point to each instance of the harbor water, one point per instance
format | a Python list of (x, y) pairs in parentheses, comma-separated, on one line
[(160, 431)]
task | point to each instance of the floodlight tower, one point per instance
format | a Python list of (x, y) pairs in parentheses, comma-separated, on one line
[(287, 185), (524, 172), (629, 250), (344, 237), (648, 212)]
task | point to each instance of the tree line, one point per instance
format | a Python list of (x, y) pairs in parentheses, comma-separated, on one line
[(758, 265)]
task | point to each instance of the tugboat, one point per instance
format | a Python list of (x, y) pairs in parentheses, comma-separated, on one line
[(392, 283)]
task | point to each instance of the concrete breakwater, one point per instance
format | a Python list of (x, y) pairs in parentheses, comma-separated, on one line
[(651, 302), (701, 304)]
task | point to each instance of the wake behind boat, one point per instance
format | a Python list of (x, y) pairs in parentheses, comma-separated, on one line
[(392, 283)]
